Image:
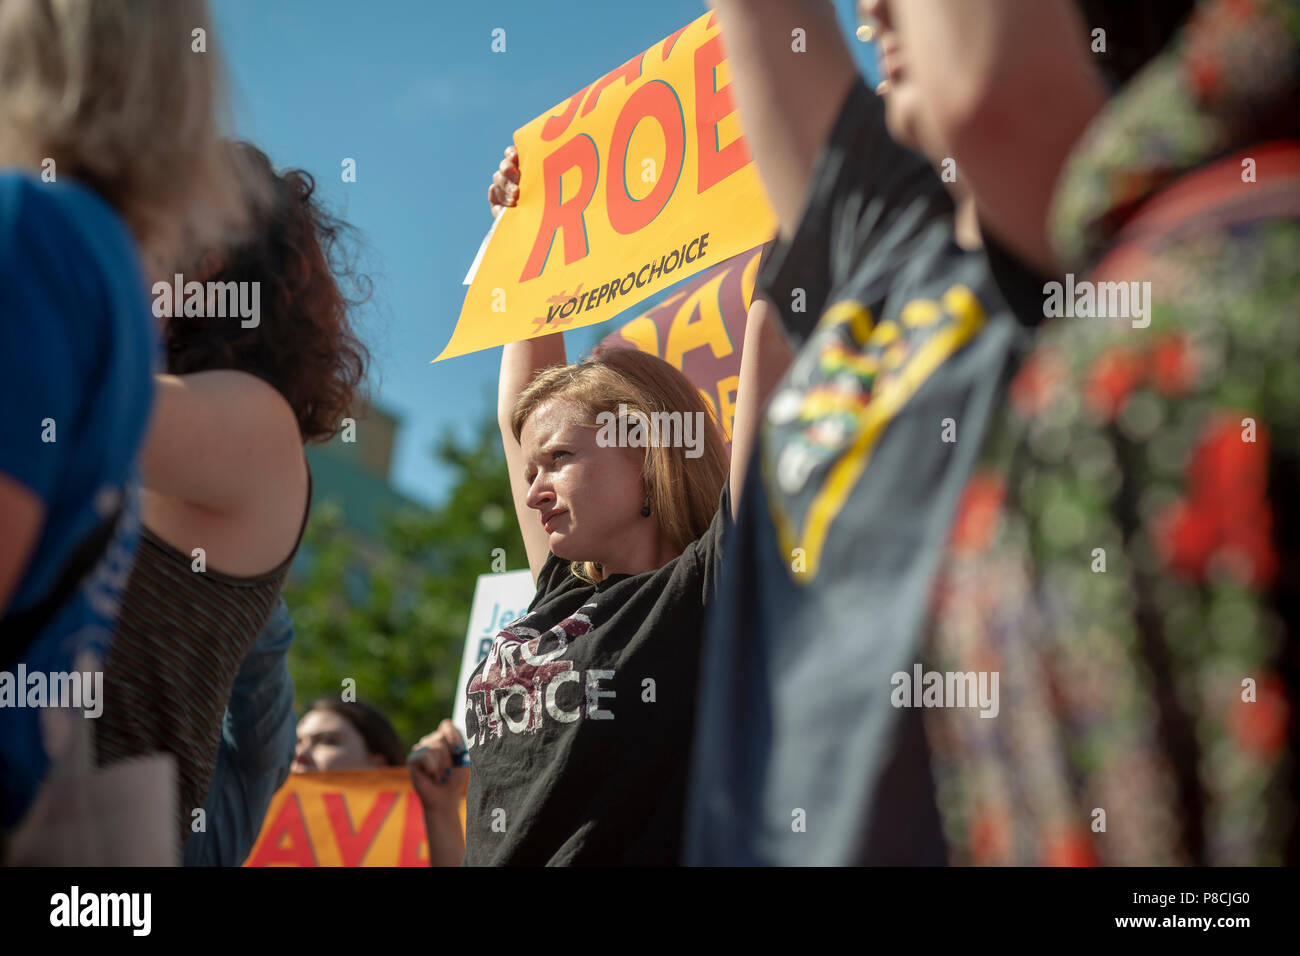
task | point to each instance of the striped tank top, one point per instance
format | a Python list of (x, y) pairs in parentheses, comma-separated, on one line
[(180, 638)]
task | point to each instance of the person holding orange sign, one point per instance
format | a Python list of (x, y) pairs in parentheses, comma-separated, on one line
[(345, 735)]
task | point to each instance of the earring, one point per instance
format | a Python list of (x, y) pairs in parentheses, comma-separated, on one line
[(645, 508)]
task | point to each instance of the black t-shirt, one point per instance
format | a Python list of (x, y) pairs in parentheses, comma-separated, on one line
[(906, 346), (579, 720)]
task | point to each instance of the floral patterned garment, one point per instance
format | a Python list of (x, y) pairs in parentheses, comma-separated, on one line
[(1128, 556)]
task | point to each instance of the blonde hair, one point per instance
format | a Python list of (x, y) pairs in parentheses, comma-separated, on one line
[(114, 93), (683, 491)]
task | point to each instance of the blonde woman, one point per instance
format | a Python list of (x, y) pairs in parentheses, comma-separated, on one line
[(101, 170), (580, 718)]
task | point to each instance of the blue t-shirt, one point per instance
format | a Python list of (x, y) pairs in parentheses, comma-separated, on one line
[(77, 354)]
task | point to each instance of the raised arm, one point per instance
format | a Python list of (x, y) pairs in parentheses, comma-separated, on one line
[(788, 100), (520, 363), (998, 72), (764, 359)]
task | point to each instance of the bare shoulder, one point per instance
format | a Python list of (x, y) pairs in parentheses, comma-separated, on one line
[(236, 410), (222, 439), (225, 470), (243, 391)]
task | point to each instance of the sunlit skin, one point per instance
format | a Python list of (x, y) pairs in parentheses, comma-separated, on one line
[(903, 114), (588, 498), (327, 741), (904, 117)]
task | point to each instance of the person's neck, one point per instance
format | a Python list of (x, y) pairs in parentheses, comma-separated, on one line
[(966, 225), (643, 556)]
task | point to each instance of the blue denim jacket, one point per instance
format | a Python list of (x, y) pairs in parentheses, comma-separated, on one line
[(257, 743)]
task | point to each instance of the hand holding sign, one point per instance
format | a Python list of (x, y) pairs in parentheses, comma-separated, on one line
[(504, 190), (637, 181), (438, 771), (440, 779)]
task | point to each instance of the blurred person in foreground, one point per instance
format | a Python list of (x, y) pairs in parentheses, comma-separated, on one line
[(1129, 553), (911, 320), (106, 176)]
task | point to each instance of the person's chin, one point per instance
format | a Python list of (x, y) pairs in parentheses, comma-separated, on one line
[(561, 546), (570, 547), (900, 117)]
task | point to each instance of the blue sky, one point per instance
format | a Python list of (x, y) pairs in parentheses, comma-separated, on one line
[(411, 90)]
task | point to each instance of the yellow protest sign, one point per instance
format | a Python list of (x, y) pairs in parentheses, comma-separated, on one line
[(352, 818), (700, 331), (636, 181)]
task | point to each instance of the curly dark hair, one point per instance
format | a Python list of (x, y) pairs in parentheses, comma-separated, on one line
[(304, 346)]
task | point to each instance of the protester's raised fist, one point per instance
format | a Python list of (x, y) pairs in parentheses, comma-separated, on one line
[(437, 779), (504, 190)]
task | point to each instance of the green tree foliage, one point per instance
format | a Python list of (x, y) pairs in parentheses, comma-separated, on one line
[(393, 617)]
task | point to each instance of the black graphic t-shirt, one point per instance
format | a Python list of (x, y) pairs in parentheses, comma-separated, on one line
[(579, 720), (905, 347)]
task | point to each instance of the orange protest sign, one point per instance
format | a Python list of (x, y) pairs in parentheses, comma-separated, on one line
[(637, 181), (700, 331), (354, 818)]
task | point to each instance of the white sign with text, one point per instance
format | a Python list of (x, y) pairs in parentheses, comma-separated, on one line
[(499, 599)]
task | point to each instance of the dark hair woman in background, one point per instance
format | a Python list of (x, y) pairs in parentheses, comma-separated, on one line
[(346, 735), (227, 489)]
